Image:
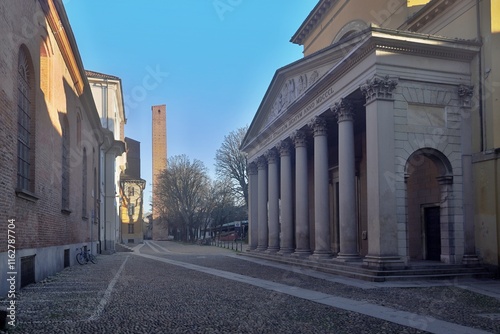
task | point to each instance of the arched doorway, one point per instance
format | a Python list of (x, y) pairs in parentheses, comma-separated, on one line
[(428, 182)]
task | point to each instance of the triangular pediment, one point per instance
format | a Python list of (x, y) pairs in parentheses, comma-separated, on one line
[(290, 86)]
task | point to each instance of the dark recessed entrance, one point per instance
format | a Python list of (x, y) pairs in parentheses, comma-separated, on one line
[(432, 233)]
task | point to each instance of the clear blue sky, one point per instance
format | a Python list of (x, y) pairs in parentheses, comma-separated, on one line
[(212, 62)]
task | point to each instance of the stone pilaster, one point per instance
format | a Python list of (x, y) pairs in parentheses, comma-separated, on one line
[(465, 94), (380, 159)]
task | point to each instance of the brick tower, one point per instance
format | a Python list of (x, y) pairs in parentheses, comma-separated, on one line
[(159, 142)]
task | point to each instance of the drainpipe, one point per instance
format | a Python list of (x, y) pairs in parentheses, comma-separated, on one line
[(482, 125)]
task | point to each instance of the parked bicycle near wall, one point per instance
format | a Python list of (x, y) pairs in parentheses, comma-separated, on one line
[(84, 256)]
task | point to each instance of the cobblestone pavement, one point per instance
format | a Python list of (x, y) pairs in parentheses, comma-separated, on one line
[(166, 287)]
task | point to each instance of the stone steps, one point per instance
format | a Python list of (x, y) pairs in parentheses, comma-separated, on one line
[(355, 269)]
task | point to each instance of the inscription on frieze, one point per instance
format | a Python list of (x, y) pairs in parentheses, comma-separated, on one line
[(289, 124)]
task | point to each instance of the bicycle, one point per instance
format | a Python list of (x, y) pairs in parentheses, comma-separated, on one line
[(83, 257)]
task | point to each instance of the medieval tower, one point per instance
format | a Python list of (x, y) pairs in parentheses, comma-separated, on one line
[(159, 145)]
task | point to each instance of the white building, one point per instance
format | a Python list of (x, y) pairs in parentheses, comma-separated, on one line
[(108, 96)]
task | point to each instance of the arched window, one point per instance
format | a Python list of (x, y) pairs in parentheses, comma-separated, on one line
[(350, 29), (65, 164), (84, 183), (25, 125)]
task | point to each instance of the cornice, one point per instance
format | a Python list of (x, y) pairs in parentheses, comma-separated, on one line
[(312, 21), (372, 40), (428, 13), (58, 28)]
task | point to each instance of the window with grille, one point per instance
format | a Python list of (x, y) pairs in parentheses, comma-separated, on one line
[(130, 228), (131, 191), (23, 123), (65, 165), (131, 209), (84, 183)]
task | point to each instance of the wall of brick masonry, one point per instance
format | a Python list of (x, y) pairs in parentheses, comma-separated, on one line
[(41, 228)]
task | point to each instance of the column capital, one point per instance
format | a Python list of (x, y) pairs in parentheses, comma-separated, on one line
[(284, 147), (261, 162), (378, 88), (299, 138), (272, 156), (318, 125), (465, 94), (252, 168), (343, 110)]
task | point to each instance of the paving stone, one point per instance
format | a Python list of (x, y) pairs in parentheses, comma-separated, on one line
[(126, 293)]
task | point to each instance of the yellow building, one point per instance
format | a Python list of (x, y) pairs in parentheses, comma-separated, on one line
[(132, 196), (381, 145)]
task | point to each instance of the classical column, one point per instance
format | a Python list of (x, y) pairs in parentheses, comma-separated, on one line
[(286, 246), (301, 195), (273, 195), (383, 243), (253, 209), (347, 182), (262, 203), (321, 210), (465, 94)]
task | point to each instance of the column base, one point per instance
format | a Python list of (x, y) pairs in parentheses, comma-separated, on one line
[(348, 257), (383, 262), (321, 255), (261, 248), (285, 251), (471, 260), (272, 250), (301, 253)]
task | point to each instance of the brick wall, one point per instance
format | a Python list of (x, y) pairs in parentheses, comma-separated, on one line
[(40, 223)]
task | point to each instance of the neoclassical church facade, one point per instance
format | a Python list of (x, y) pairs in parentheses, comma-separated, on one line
[(363, 150)]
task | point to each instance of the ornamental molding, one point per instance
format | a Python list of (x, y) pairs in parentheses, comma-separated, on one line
[(318, 125), (465, 93), (284, 147), (261, 162), (343, 110), (292, 89), (252, 168), (272, 156), (311, 22), (299, 138), (428, 13), (378, 88)]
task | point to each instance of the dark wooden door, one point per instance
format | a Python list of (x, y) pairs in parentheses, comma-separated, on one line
[(433, 233)]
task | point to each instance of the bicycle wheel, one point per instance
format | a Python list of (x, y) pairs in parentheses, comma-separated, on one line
[(80, 259), (93, 258)]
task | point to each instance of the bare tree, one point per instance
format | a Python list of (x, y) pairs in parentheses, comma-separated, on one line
[(231, 163), (182, 192)]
